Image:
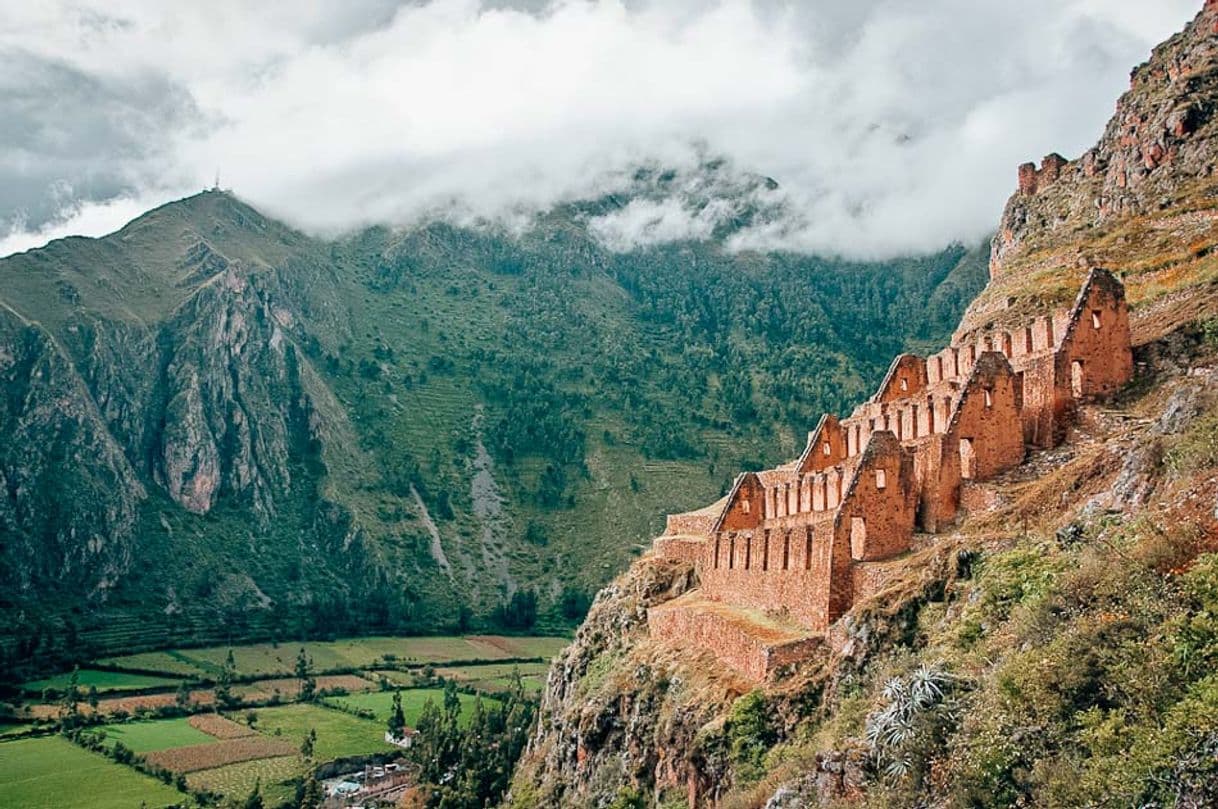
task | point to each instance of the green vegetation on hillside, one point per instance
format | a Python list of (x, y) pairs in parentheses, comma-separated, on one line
[(436, 429)]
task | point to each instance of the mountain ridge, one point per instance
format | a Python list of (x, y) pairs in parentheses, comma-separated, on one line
[(269, 404)]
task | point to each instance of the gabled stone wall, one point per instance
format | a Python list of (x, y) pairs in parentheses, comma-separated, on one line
[(796, 542)]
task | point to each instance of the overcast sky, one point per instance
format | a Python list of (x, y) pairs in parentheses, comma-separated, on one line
[(891, 126)]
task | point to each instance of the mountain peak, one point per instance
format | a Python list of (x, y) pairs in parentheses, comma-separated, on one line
[(1146, 194)]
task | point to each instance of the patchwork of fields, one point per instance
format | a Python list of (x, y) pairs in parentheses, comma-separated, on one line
[(269, 659), (259, 742)]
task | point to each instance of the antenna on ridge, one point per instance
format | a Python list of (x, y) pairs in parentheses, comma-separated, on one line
[(216, 187)]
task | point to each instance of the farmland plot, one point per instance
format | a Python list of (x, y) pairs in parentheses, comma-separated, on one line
[(103, 681), (237, 780), (52, 772), (158, 734), (220, 727), (218, 753), (413, 700), (338, 734)]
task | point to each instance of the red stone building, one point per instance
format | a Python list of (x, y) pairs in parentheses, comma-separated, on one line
[(789, 550)]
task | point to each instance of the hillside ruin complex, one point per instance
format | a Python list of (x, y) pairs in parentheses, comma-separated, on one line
[(790, 549)]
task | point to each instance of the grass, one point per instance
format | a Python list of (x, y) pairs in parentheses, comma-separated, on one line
[(158, 734), (498, 676), (238, 780), (103, 681), (413, 700), (51, 772), (532, 684), (167, 662), (490, 670), (269, 659), (338, 734)]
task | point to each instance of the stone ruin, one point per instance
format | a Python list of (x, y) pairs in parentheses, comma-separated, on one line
[(790, 549)]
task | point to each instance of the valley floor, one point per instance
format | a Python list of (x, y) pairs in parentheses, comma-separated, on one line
[(181, 726)]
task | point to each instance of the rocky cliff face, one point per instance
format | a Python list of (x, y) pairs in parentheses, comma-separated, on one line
[(1141, 200), (70, 494), (620, 714), (181, 388)]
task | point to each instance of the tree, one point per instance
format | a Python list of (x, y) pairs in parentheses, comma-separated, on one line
[(469, 765), (92, 698), (182, 698), (308, 744), (224, 682), (520, 612), (397, 718), (574, 603), (312, 796), (254, 801), (69, 702), (308, 686)]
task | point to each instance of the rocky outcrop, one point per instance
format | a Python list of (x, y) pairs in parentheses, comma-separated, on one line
[(1159, 142), (233, 399), (1137, 201), (68, 496), (619, 713)]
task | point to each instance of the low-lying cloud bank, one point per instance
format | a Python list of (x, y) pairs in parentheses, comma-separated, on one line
[(891, 127)]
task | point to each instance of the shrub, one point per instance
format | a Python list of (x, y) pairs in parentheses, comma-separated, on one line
[(750, 735)]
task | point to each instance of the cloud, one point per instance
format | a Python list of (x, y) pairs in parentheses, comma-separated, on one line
[(890, 127)]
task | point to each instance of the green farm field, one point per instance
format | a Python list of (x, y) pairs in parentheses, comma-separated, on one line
[(269, 659), (172, 663), (52, 773), (338, 734), (154, 735), (413, 700), (103, 681), (237, 780), (498, 676)]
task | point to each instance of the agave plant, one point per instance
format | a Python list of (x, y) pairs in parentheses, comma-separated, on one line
[(915, 706)]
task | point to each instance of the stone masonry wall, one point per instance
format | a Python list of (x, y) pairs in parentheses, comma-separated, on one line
[(750, 653), (802, 541)]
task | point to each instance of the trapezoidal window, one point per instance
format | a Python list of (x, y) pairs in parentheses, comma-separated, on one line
[(858, 537), (967, 458), (786, 550), (989, 398), (1095, 319), (1076, 378), (904, 384), (828, 450), (745, 506), (881, 479), (808, 548)]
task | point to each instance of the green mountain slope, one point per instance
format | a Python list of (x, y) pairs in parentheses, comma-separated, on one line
[(215, 426)]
